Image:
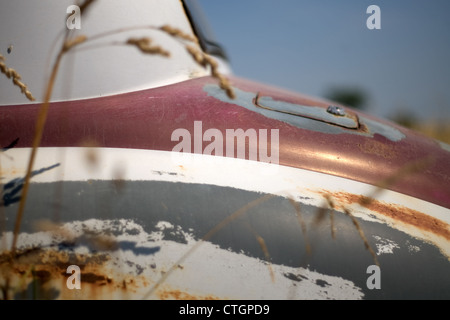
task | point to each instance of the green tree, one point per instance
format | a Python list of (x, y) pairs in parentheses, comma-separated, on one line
[(348, 96)]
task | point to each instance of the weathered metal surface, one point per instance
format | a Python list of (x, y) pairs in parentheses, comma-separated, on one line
[(111, 197), (400, 214), (348, 120), (412, 221), (376, 151), (41, 273), (183, 230)]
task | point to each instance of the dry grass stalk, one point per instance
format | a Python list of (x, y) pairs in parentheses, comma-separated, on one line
[(265, 250), (144, 44), (331, 205), (298, 212), (177, 33), (205, 60), (406, 170), (361, 234), (39, 129), (11, 73), (56, 229), (37, 137), (69, 44), (85, 5), (320, 215)]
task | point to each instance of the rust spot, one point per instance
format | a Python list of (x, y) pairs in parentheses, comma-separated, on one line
[(53, 261), (378, 148), (47, 268), (399, 213), (363, 128), (46, 265), (92, 277), (11, 172), (42, 275), (180, 295)]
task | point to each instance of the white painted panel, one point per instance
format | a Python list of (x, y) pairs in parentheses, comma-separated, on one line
[(32, 28)]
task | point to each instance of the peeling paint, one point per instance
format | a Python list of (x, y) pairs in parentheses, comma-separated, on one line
[(399, 213), (384, 130), (385, 246), (417, 224), (412, 248), (246, 100), (312, 112), (138, 252), (124, 273)]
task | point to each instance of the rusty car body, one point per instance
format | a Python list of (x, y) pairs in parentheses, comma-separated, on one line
[(322, 196)]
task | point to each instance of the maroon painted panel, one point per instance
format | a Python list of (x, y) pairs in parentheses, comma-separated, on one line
[(146, 120)]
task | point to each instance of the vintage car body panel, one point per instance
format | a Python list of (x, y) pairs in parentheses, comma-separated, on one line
[(175, 190), (136, 214), (375, 151)]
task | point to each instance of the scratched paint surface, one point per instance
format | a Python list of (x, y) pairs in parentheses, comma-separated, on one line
[(142, 225), (137, 260), (245, 99), (125, 258), (146, 119)]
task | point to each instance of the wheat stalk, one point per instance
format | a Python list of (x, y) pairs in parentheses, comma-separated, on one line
[(85, 5), (302, 223), (205, 60), (39, 129), (177, 33), (11, 73), (70, 43), (143, 44), (361, 234), (199, 56)]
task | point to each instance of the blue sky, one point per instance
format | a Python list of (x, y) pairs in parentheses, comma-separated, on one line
[(312, 46)]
